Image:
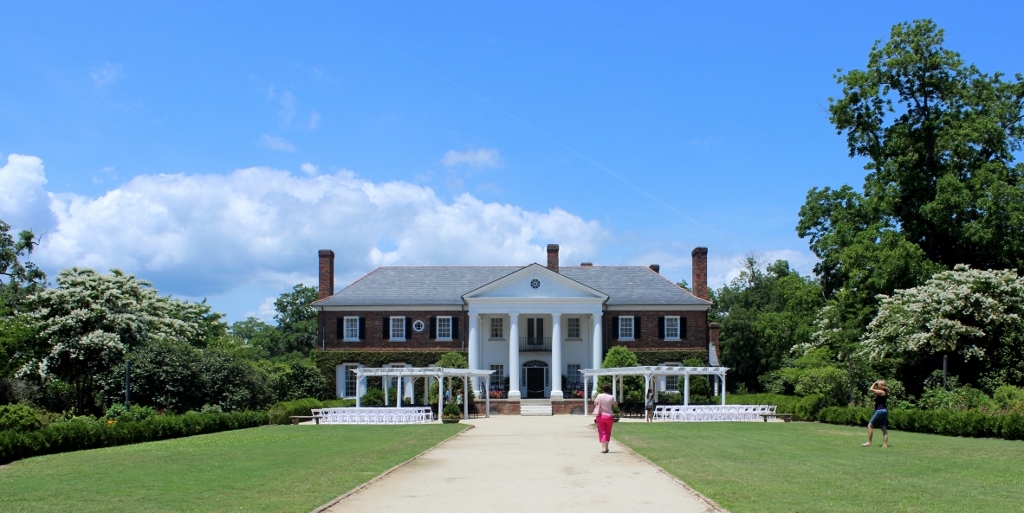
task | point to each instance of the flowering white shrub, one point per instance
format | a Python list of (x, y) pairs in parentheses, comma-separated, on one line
[(966, 311)]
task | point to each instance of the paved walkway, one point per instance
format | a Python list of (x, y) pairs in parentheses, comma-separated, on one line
[(516, 464)]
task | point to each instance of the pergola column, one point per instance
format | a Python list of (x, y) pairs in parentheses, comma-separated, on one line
[(474, 348), (513, 357), (399, 391), (556, 357), (686, 390), (595, 318), (723, 388)]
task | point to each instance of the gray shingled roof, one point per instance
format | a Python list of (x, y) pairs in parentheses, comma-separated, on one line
[(446, 286)]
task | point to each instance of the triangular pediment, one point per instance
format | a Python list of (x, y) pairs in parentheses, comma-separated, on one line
[(535, 282)]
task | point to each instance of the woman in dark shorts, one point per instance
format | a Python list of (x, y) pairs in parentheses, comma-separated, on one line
[(881, 417)]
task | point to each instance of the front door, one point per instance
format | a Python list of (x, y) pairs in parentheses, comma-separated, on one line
[(534, 382)]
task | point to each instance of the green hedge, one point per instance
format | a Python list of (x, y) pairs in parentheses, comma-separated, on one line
[(280, 412), (971, 423), (784, 403), (78, 435)]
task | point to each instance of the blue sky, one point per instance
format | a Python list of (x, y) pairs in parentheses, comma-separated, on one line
[(213, 149)]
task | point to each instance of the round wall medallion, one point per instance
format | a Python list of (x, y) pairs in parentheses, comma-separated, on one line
[(535, 283), (418, 325)]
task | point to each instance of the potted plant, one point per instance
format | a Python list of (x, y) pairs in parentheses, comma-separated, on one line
[(616, 412), (451, 414)]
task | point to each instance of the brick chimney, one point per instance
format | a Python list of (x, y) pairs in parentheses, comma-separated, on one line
[(699, 280), (326, 273), (553, 257), (655, 267), (713, 331)]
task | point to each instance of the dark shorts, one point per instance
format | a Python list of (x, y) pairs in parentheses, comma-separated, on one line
[(880, 419)]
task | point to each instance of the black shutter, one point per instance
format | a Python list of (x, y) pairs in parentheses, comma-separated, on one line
[(362, 328), (636, 327), (455, 327), (386, 323), (661, 327), (433, 327), (339, 332), (408, 334), (682, 327), (615, 326)]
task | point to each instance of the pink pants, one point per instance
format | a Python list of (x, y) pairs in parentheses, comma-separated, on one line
[(604, 427)]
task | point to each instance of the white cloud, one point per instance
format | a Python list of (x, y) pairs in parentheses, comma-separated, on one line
[(314, 120), (276, 143), (206, 235), (24, 202), (308, 168), (473, 158), (107, 74)]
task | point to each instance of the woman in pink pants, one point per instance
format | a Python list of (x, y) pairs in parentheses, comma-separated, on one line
[(604, 416)]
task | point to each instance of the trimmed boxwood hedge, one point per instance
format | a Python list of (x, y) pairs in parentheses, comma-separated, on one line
[(971, 423), (80, 435)]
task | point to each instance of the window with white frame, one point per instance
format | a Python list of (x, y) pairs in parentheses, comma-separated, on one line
[(497, 328), (444, 328), (351, 329), (573, 331), (672, 327), (498, 378), (351, 382), (671, 382), (398, 328), (626, 327)]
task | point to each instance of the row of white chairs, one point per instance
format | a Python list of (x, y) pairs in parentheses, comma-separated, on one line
[(418, 415), (702, 413)]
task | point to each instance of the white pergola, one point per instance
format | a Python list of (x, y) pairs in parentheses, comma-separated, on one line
[(438, 373), (650, 372)]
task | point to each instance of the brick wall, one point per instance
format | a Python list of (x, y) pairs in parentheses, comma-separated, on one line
[(374, 331), (696, 330)]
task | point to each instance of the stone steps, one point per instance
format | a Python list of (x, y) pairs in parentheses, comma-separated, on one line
[(535, 407)]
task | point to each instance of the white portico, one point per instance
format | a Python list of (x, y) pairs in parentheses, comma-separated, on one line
[(533, 326)]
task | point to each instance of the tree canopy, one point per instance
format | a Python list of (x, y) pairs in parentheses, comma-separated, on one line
[(764, 312), (18, 278)]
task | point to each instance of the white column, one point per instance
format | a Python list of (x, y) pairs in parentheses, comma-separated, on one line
[(686, 390), (513, 357), (399, 391), (359, 386), (384, 385), (723, 389), (465, 398), (556, 357), (440, 396), (474, 348), (426, 390), (596, 344), (615, 388)]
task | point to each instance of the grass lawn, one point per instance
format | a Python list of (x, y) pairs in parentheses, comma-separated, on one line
[(278, 468), (808, 467)]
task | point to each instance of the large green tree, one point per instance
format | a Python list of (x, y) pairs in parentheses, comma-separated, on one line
[(942, 188), (296, 319), (939, 137), (764, 313)]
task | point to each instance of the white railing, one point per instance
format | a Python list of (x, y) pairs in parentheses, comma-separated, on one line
[(373, 415), (727, 413)]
